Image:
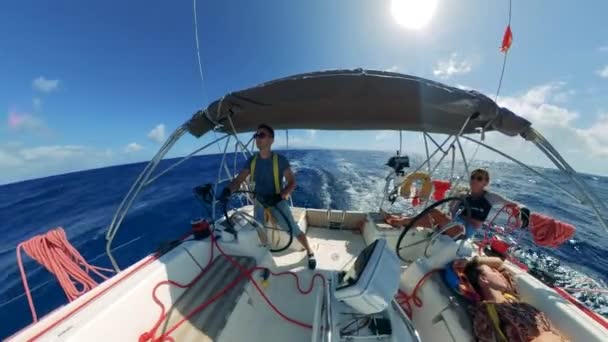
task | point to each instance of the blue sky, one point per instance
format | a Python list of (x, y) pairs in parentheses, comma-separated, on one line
[(90, 84)]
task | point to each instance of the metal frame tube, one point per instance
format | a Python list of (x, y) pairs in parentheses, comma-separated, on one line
[(464, 157), (139, 183), (184, 159), (566, 191), (426, 148), (439, 148), (219, 179)]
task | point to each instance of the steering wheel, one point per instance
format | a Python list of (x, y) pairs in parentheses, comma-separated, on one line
[(261, 228), (459, 202), (440, 232)]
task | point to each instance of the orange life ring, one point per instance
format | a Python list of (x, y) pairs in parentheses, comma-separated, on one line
[(424, 192)]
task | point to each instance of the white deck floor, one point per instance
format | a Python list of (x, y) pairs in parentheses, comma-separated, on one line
[(334, 249)]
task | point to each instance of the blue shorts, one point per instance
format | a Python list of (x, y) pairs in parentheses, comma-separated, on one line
[(283, 206)]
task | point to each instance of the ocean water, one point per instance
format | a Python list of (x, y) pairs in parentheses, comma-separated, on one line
[(84, 203)]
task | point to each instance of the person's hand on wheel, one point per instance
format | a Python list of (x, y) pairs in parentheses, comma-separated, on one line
[(524, 216), (225, 195)]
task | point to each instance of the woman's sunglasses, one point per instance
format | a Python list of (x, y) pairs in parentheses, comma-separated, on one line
[(478, 178), (260, 135)]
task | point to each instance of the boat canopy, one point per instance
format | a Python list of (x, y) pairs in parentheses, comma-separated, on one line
[(357, 100)]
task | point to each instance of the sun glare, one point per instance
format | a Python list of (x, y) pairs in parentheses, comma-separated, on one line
[(413, 14)]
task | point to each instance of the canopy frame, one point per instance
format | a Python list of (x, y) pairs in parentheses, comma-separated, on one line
[(226, 126)]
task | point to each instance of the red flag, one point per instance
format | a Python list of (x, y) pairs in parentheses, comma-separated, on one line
[(507, 39)]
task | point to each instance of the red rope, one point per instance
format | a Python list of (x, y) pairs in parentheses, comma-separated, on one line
[(53, 251), (513, 222), (404, 299), (245, 273)]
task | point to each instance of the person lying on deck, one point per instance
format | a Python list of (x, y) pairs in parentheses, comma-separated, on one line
[(480, 203), (500, 315)]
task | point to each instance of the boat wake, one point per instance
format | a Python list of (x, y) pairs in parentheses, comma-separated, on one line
[(84, 202)]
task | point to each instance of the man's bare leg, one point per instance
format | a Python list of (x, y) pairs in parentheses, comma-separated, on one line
[(312, 263), (304, 241)]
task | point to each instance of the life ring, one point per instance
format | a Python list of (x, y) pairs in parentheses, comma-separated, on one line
[(424, 192)]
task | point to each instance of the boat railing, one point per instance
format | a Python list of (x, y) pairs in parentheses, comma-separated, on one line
[(318, 323), (583, 193), (145, 178), (409, 325), (328, 311)]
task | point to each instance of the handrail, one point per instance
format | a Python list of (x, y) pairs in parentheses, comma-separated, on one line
[(596, 204), (139, 183), (566, 191), (169, 168), (316, 326), (408, 322), (330, 323), (585, 195)]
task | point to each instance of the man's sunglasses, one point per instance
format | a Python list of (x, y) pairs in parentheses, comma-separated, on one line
[(260, 135), (478, 178)]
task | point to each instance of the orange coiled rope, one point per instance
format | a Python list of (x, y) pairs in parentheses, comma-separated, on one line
[(53, 251), (549, 232)]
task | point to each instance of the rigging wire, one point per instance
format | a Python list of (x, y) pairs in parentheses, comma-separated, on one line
[(198, 52), (500, 79), (504, 61), (200, 65)]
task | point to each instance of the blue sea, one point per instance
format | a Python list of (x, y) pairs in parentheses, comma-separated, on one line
[(83, 203)]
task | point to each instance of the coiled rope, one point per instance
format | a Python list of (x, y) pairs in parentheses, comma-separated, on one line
[(53, 251)]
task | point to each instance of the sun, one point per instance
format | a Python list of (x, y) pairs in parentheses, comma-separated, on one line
[(413, 14)]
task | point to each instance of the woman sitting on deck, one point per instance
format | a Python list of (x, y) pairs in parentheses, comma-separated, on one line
[(480, 203)]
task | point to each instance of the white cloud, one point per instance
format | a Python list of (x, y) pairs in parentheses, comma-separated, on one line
[(595, 137), (45, 85), (535, 106), (133, 147), (312, 133), (584, 148), (394, 68), (8, 159), (603, 48), (564, 96), (157, 134), (603, 72), (455, 65), (25, 122), (19, 162), (37, 103), (55, 152)]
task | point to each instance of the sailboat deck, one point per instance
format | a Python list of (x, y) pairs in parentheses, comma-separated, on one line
[(244, 314), (334, 250)]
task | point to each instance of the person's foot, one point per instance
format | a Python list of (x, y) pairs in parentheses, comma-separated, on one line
[(312, 262)]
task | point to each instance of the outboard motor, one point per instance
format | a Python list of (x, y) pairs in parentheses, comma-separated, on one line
[(398, 163), (395, 178)]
